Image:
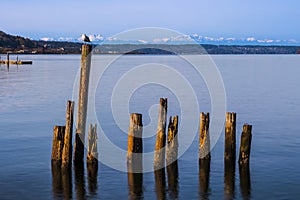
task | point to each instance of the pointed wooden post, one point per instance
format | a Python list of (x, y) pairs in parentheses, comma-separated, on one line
[(172, 141), (58, 144), (82, 102), (204, 146), (245, 146), (159, 154), (67, 150), (230, 138)]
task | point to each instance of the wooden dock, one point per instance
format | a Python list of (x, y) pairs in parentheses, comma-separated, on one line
[(16, 62)]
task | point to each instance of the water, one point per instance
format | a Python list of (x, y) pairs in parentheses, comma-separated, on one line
[(263, 90)]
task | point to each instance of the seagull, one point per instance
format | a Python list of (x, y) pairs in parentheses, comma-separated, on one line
[(85, 38)]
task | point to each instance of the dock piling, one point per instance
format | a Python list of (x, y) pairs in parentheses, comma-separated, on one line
[(159, 154), (67, 150), (204, 146), (82, 102)]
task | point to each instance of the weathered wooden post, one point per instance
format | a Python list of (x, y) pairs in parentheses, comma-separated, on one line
[(82, 102), (7, 58), (204, 146), (244, 160), (245, 146), (159, 154), (230, 138), (230, 155), (172, 141), (58, 144), (67, 150), (171, 157), (135, 142), (92, 156)]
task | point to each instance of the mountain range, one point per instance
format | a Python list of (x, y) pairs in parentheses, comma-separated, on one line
[(181, 39), (181, 44)]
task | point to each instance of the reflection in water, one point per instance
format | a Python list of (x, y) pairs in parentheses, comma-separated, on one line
[(92, 170), (135, 185), (204, 173), (160, 183), (79, 180), (229, 179), (245, 181), (67, 183), (61, 181), (56, 180), (172, 171)]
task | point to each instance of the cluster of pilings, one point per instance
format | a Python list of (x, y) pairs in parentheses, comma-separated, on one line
[(166, 146), (61, 159)]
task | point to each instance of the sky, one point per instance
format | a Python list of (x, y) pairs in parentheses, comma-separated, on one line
[(274, 19)]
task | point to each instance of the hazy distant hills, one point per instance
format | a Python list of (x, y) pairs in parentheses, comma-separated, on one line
[(17, 44)]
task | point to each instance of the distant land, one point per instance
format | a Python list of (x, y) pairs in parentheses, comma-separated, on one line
[(21, 45)]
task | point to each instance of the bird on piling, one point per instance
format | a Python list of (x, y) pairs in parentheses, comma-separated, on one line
[(85, 38)]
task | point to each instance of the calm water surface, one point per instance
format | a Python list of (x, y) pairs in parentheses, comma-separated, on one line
[(263, 90)]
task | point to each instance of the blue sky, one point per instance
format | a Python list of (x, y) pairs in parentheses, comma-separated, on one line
[(274, 19)]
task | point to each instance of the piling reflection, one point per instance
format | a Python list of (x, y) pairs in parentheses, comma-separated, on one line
[(160, 183), (92, 170), (204, 176), (135, 180), (172, 172), (79, 180), (229, 179), (67, 182), (245, 182), (57, 187)]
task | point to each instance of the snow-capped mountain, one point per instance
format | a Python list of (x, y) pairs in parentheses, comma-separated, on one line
[(181, 39)]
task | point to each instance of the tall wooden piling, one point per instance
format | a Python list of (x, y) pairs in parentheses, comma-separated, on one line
[(245, 146), (172, 141), (67, 150), (58, 144), (82, 102), (204, 141), (230, 138), (159, 154)]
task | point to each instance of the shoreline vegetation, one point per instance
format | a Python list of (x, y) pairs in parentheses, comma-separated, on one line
[(20, 45)]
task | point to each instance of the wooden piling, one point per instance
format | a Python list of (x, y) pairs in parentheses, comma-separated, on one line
[(67, 150), (172, 141), (135, 140), (245, 146), (159, 154), (92, 156), (204, 146), (230, 138), (82, 102), (58, 144)]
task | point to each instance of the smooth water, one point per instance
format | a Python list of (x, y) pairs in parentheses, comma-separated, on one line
[(262, 90)]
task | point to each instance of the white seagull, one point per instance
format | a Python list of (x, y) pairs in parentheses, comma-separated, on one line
[(85, 38)]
